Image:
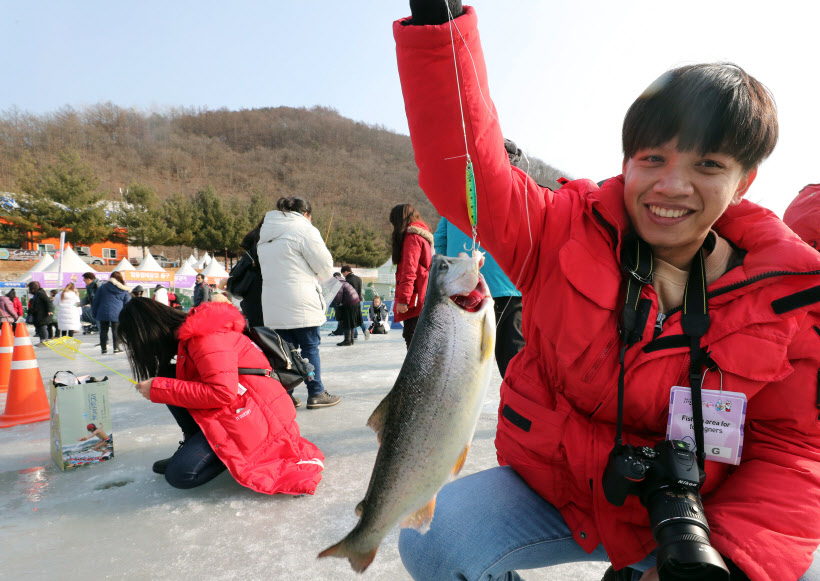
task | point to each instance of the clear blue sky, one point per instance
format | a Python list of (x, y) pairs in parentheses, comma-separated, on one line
[(562, 74)]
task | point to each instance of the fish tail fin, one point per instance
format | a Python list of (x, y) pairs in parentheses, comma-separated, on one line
[(358, 561), (421, 519)]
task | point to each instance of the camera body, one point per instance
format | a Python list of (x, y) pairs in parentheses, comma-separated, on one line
[(667, 480), (640, 470)]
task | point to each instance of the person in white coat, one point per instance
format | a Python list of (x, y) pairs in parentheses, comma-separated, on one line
[(161, 294), (68, 308), (293, 258)]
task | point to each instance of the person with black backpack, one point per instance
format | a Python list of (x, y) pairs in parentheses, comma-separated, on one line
[(245, 281)]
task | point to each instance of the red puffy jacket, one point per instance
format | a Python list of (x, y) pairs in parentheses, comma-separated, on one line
[(559, 397), (253, 432), (413, 270)]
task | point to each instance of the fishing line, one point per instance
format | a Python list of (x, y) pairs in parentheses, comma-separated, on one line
[(466, 147)]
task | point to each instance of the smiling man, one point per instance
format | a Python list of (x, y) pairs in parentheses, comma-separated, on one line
[(631, 291)]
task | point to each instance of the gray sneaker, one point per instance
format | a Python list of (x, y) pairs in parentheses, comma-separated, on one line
[(323, 400)]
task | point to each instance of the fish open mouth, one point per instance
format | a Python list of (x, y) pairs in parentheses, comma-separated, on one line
[(473, 300)]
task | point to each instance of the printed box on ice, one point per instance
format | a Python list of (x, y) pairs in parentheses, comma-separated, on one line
[(80, 421)]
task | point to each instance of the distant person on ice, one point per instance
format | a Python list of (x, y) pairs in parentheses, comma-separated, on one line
[(412, 244), (203, 292), (232, 415), (356, 283), (67, 303), (293, 258), (379, 317), (108, 302)]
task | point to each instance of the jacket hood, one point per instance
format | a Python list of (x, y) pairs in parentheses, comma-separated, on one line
[(419, 229), (209, 318), (119, 285), (278, 224)]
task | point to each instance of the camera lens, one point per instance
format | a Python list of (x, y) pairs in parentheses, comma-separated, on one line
[(682, 533)]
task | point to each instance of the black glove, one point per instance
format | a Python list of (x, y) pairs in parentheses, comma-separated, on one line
[(434, 11)]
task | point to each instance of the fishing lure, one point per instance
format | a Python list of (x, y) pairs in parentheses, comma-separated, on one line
[(472, 201)]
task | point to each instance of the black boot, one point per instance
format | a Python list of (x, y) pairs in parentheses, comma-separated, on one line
[(348, 340), (611, 574)]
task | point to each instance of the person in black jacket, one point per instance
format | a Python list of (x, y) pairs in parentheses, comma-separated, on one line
[(251, 303), (346, 304), (108, 302), (379, 317), (91, 286), (356, 283), (41, 310)]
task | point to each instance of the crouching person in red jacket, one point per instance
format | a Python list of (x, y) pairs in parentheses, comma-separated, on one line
[(632, 291), (231, 415)]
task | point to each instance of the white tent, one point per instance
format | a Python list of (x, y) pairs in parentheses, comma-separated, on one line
[(41, 265), (149, 264), (215, 270), (123, 265), (71, 263), (202, 262), (186, 269), (191, 260)]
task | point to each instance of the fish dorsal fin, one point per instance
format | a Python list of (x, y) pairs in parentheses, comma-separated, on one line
[(487, 337), (421, 519), (461, 460), (379, 417)]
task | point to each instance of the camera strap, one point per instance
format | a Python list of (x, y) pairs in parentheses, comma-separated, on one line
[(638, 265)]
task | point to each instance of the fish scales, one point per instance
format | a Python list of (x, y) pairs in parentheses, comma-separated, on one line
[(427, 420)]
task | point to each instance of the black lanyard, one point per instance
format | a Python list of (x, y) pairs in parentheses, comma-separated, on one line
[(638, 264)]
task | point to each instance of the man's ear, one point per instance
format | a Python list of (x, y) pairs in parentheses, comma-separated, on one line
[(743, 186)]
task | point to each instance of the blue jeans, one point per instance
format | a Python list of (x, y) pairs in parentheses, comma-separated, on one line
[(490, 524), (195, 463), (307, 339)]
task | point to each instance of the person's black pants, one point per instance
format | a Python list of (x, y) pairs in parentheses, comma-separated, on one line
[(104, 325), (64, 333), (409, 330), (509, 339)]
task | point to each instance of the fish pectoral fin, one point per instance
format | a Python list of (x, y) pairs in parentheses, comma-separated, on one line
[(360, 509), (487, 338), (461, 460), (421, 519), (358, 561), (379, 417)]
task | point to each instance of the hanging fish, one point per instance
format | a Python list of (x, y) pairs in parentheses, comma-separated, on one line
[(426, 423)]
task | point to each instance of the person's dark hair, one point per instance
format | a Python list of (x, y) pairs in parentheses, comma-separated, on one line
[(346, 268), (294, 204), (118, 277), (251, 239), (401, 216), (33, 287), (710, 108), (149, 331), (90, 275), (12, 294)]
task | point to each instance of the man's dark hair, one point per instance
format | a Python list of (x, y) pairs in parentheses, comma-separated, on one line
[(90, 275), (710, 108), (346, 268)]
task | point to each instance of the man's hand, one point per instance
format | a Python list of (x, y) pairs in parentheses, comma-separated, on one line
[(144, 387), (401, 308), (434, 11)]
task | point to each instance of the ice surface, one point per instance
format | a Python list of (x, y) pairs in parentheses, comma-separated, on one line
[(119, 520)]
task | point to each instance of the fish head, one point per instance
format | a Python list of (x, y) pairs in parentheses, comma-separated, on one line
[(459, 279)]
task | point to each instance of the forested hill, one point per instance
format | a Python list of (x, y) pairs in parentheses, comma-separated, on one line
[(352, 171)]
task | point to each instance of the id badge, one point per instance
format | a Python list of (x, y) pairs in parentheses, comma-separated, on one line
[(724, 413)]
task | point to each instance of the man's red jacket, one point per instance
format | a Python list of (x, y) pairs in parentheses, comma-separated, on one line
[(561, 249)]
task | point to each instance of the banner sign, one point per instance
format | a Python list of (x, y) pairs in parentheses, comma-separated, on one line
[(18, 254)]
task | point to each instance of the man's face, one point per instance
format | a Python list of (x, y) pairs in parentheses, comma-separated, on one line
[(673, 198), (199, 278)]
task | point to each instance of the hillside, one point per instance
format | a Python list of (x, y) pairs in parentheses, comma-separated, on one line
[(352, 171)]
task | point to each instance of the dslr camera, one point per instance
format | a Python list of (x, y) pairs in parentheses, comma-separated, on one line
[(667, 481)]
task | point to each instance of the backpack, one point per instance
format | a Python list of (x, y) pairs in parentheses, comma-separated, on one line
[(289, 367), (244, 276)]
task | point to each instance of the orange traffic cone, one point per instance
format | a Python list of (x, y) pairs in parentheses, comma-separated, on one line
[(6, 349), (26, 401)]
